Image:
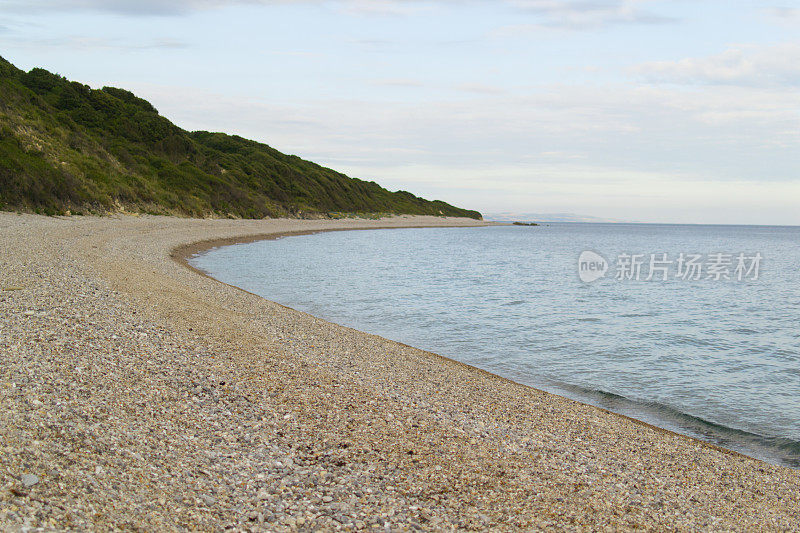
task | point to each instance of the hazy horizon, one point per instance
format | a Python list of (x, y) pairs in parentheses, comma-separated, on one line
[(642, 110)]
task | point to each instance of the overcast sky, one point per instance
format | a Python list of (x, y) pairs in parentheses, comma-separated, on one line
[(654, 111)]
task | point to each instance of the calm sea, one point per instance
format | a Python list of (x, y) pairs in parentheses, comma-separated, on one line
[(715, 358)]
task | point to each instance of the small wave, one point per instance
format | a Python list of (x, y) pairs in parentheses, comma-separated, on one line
[(774, 449), (515, 302), (745, 331), (677, 339)]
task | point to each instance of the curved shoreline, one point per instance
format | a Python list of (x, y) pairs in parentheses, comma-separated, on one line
[(183, 253), (139, 395)]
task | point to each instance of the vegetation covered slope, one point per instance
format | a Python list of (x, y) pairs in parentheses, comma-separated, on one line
[(65, 147)]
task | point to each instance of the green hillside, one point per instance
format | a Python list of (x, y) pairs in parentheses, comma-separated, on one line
[(65, 147)]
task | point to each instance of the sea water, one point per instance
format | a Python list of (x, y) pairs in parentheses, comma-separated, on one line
[(712, 351)]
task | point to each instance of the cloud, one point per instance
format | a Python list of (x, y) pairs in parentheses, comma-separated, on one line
[(373, 43), (181, 7), (784, 15), (397, 82), (163, 44), (75, 42), (472, 88), (384, 7), (770, 66), (570, 14), (561, 14), (479, 88), (126, 7)]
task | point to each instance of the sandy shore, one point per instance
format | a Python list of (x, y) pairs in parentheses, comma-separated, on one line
[(137, 394)]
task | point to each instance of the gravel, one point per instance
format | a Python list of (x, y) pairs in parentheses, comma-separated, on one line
[(137, 394)]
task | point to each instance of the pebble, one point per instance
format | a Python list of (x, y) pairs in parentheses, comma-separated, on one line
[(29, 480)]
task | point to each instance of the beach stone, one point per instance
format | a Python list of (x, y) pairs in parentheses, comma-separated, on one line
[(29, 480)]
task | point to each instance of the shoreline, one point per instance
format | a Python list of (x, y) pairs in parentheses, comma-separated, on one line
[(182, 255), (141, 395)]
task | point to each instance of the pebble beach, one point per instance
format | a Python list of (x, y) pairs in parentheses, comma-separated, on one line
[(138, 394)]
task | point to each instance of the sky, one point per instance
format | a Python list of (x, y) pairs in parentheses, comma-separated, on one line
[(684, 111)]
